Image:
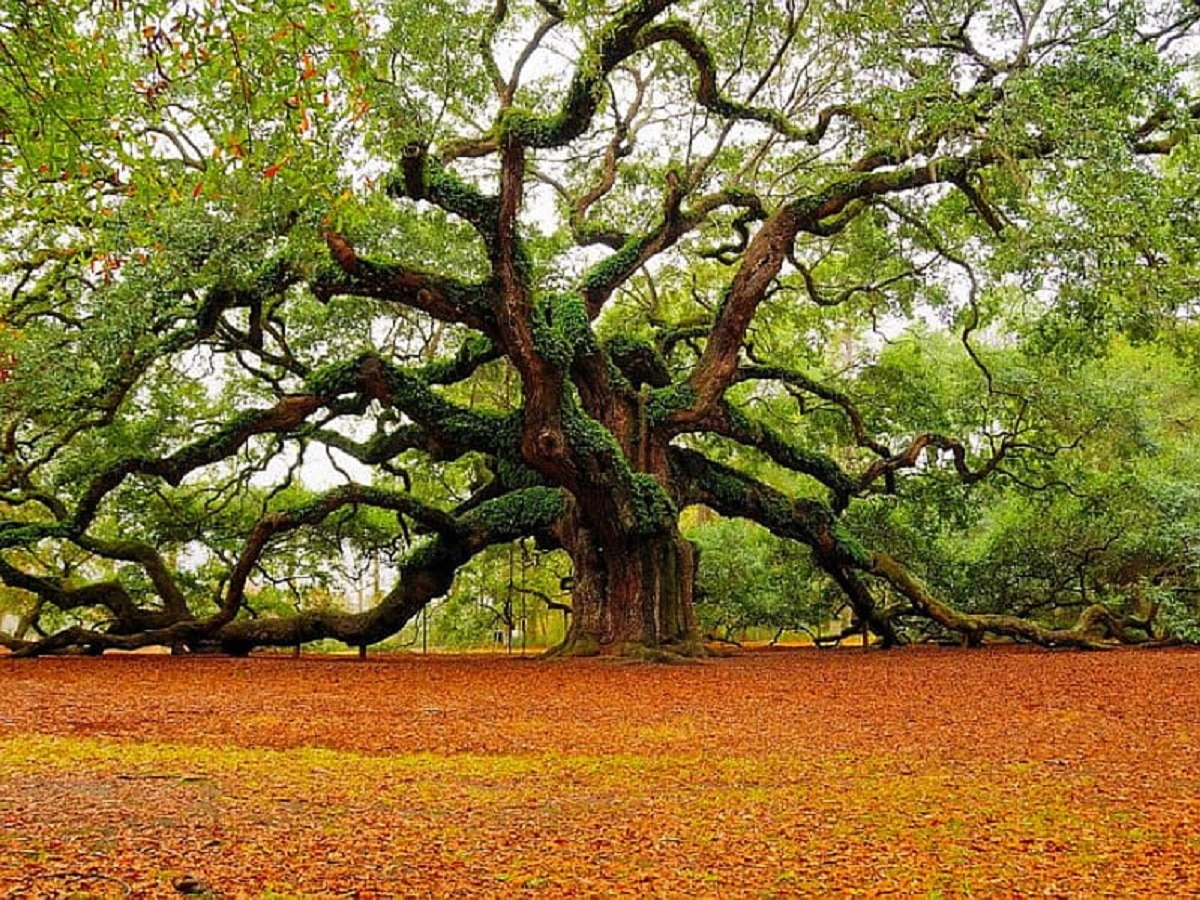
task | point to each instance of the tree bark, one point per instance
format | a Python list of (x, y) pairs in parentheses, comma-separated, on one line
[(632, 597)]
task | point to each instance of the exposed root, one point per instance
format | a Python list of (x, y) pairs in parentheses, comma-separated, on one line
[(632, 651)]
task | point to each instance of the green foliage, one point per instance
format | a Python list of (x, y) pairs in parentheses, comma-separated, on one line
[(748, 578), (463, 622), (502, 592), (665, 401), (1178, 616), (1110, 516)]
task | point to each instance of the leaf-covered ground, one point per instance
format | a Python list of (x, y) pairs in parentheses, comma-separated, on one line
[(927, 772)]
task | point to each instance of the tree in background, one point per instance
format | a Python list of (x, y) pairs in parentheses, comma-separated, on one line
[(748, 578), (508, 597), (548, 270)]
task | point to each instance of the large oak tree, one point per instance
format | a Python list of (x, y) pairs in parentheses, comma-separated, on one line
[(541, 269)]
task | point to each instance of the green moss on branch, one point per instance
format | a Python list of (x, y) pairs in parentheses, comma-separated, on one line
[(28, 535), (434, 182), (816, 465), (561, 329), (669, 400), (456, 428), (519, 514), (474, 352), (653, 510), (638, 361)]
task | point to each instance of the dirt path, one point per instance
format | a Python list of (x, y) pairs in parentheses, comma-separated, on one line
[(919, 772)]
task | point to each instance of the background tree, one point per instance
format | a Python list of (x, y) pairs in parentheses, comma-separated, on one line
[(543, 270), (748, 578)]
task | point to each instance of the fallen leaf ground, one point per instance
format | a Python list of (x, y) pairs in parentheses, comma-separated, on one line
[(923, 772)]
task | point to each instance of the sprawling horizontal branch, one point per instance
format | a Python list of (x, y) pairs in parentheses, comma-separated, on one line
[(382, 447), (152, 563), (733, 493), (732, 423), (736, 494), (426, 573), (175, 622), (110, 595), (447, 427), (1094, 623), (438, 296), (474, 353), (286, 415), (889, 462), (452, 428), (313, 513)]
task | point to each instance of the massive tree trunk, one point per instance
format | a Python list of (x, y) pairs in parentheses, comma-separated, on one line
[(632, 596), (634, 572)]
